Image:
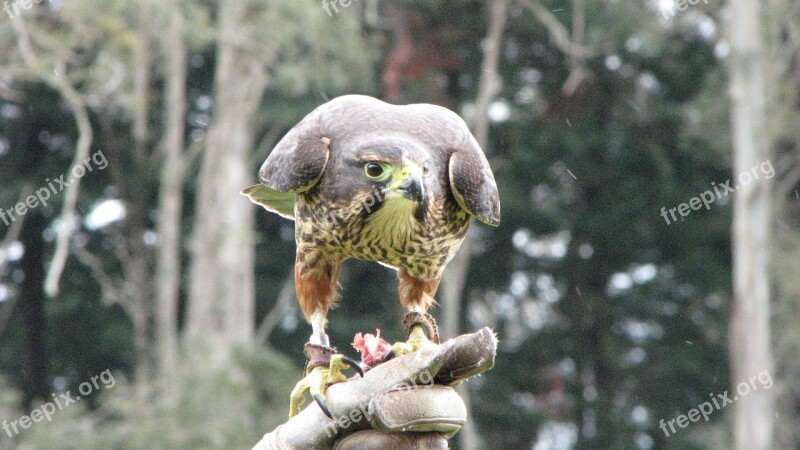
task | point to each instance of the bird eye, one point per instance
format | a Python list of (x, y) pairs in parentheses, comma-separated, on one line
[(373, 170)]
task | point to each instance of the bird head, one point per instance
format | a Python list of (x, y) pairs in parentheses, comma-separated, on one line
[(398, 184), (396, 177), (359, 150)]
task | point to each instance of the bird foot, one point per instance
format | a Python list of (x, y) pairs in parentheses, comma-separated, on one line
[(324, 367), (421, 331)]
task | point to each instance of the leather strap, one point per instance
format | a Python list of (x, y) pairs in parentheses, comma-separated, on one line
[(317, 355)]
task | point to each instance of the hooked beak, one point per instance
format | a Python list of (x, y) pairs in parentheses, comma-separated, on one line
[(411, 184)]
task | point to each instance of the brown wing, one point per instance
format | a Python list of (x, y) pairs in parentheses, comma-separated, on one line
[(299, 159), (471, 178), (473, 184)]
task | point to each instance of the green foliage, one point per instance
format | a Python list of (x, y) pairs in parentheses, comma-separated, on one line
[(214, 411)]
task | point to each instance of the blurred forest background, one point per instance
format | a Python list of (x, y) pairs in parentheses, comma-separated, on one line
[(594, 115)]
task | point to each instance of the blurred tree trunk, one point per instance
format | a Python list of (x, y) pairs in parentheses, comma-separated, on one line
[(750, 342), (138, 285), (221, 301), (170, 204), (32, 310), (783, 22), (456, 272)]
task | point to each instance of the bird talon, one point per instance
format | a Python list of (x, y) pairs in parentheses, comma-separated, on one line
[(354, 364), (322, 405), (414, 343), (319, 376)]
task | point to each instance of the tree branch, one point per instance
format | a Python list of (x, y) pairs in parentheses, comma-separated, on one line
[(285, 299), (57, 80), (111, 294), (490, 82), (577, 70), (558, 32), (788, 182)]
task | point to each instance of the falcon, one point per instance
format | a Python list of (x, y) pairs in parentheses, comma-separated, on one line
[(378, 182)]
